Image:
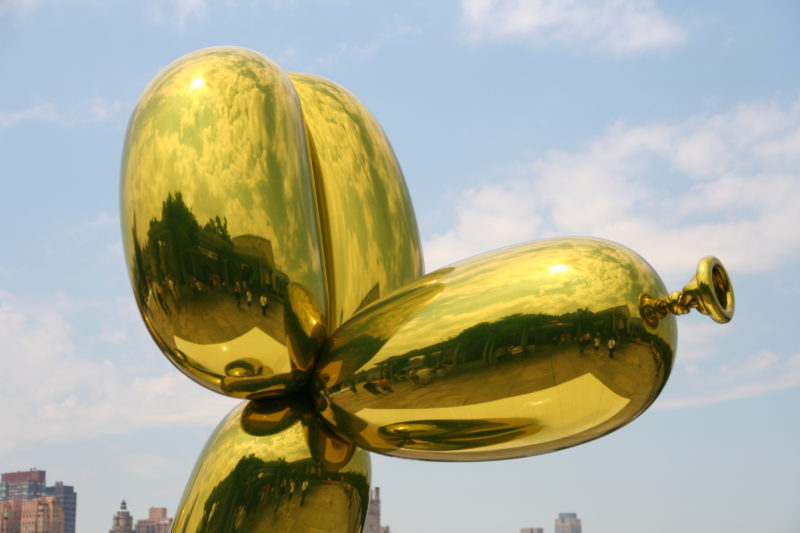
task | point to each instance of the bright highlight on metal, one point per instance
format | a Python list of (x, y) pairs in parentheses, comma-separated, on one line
[(274, 256)]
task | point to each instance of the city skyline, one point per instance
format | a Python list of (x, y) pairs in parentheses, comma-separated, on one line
[(28, 505), (671, 128)]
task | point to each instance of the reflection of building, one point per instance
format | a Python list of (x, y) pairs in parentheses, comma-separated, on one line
[(179, 250), (568, 523), (41, 515), (531, 530), (373, 522), (156, 522), (123, 521)]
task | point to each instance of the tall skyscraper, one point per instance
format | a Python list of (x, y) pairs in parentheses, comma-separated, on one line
[(568, 523), (157, 522), (531, 530), (68, 499), (22, 486), (122, 521)]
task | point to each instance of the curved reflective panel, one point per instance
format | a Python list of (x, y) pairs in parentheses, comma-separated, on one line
[(513, 353), (219, 223), (369, 231), (271, 466)]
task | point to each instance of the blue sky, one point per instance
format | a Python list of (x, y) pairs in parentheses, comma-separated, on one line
[(673, 128)]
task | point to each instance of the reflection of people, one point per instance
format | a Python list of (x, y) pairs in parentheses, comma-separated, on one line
[(249, 298), (237, 293), (583, 341), (263, 302), (161, 297), (596, 344), (370, 387), (516, 351), (612, 343), (384, 384), (303, 489)]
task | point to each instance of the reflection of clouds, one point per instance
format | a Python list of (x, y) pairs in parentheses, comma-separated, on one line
[(600, 275), (234, 146), (373, 232)]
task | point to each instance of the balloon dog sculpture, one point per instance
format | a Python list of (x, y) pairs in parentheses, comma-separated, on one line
[(274, 256)]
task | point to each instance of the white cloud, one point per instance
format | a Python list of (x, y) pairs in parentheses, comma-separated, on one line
[(18, 6), (100, 109), (96, 110), (487, 217), (621, 27), (655, 188), (177, 12), (41, 112), (53, 393), (757, 374), (368, 49)]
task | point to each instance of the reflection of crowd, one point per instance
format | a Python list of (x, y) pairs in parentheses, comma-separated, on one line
[(167, 295), (284, 486)]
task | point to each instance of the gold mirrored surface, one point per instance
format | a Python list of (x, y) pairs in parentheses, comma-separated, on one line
[(513, 353), (219, 223), (369, 230), (271, 466)]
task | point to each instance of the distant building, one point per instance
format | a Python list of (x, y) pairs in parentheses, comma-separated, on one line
[(531, 530), (22, 486), (42, 515), (373, 522), (28, 505), (10, 516), (568, 523), (68, 499), (123, 521), (157, 522)]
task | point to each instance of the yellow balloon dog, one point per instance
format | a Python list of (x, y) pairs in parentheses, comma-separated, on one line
[(275, 257)]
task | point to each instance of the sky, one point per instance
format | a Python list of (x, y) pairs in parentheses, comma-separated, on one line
[(672, 128)]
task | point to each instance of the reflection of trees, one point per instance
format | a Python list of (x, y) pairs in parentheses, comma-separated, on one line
[(490, 342), (240, 490), (219, 228), (186, 258), (243, 499), (178, 227)]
